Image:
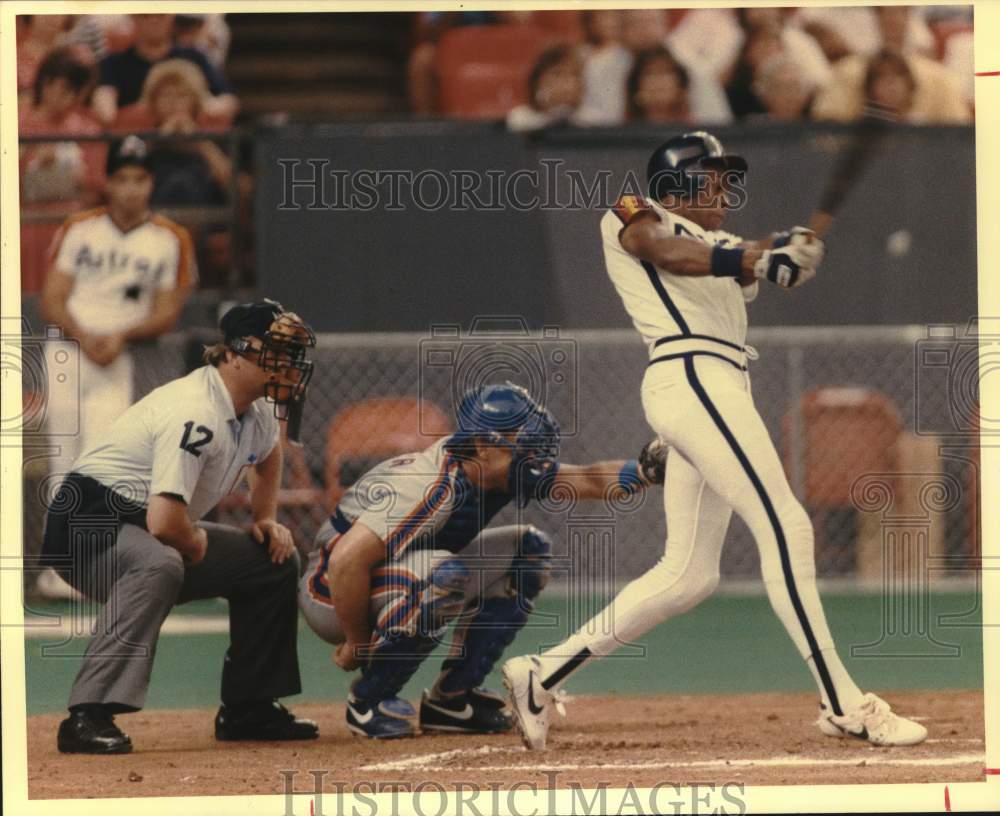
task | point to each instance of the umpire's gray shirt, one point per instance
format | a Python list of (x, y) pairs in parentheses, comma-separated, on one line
[(183, 438)]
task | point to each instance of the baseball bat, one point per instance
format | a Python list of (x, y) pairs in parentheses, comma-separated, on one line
[(863, 144)]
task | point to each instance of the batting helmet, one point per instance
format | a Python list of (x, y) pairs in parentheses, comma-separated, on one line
[(670, 166)]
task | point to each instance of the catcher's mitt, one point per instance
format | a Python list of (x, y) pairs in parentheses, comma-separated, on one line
[(653, 462)]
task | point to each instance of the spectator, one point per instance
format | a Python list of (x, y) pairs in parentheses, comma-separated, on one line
[(937, 95), (657, 88), (890, 85), (60, 171), (41, 34), (855, 30), (123, 74), (209, 33), (186, 172), (761, 44), (648, 28), (57, 176), (784, 89), (555, 92), (606, 65)]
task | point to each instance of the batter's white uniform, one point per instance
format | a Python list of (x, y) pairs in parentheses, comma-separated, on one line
[(116, 276), (696, 397)]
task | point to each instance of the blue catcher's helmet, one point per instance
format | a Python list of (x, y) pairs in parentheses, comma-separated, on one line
[(667, 171), (490, 411)]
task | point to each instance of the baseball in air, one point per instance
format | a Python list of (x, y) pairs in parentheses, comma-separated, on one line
[(898, 243)]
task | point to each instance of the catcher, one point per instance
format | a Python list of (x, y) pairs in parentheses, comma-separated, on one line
[(407, 551)]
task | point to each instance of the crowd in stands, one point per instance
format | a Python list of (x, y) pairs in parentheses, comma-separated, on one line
[(94, 75), (705, 66), (99, 75)]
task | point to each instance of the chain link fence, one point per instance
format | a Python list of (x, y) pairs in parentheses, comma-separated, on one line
[(876, 427)]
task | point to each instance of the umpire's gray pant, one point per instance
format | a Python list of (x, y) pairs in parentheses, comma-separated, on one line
[(140, 579)]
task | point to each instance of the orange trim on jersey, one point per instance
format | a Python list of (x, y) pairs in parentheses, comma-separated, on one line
[(407, 526), (57, 239), (186, 275), (628, 207)]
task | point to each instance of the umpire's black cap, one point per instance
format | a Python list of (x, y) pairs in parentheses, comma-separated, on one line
[(250, 319), (128, 151)]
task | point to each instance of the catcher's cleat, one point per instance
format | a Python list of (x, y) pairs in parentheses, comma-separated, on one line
[(92, 730), (380, 719), (477, 711), (531, 704), (873, 721), (266, 720)]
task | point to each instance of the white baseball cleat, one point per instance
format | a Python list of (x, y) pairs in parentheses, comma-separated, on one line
[(531, 704), (874, 721)]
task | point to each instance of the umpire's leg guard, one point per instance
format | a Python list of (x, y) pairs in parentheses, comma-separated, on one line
[(481, 642), (408, 630)]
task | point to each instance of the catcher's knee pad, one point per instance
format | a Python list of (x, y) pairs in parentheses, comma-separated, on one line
[(532, 566), (428, 606), (482, 642)]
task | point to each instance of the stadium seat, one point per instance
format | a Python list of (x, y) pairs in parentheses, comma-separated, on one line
[(846, 433), (365, 433), (483, 70), (563, 25)]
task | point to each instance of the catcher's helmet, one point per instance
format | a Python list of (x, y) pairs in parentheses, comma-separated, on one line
[(492, 410), (669, 166)]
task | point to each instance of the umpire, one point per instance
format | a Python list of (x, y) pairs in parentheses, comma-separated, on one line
[(124, 529)]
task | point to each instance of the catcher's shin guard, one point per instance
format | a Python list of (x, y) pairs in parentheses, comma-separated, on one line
[(408, 630), (481, 642)]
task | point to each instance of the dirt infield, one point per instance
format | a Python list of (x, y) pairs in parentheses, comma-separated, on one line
[(759, 739)]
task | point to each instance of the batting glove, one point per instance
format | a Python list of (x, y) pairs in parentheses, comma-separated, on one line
[(787, 267), (805, 239)]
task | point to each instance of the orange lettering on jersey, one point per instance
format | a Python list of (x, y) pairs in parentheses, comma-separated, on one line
[(628, 207)]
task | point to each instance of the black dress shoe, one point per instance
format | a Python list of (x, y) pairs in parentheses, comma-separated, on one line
[(268, 720), (92, 731)]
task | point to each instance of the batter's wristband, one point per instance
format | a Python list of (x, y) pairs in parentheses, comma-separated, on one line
[(727, 262), (630, 477)]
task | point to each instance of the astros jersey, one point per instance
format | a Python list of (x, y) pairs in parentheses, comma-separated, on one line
[(116, 274), (183, 438), (662, 304)]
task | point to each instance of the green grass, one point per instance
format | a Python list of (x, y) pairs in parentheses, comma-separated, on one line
[(728, 644)]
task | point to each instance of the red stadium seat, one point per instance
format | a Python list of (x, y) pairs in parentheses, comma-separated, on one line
[(367, 432), (563, 25), (483, 70), (847, 432)]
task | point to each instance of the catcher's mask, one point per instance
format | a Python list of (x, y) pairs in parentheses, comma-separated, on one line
[(285, 339)]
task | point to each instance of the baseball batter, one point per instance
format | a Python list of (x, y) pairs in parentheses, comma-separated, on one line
[(684, 282), (124, 529), (406, 552)]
